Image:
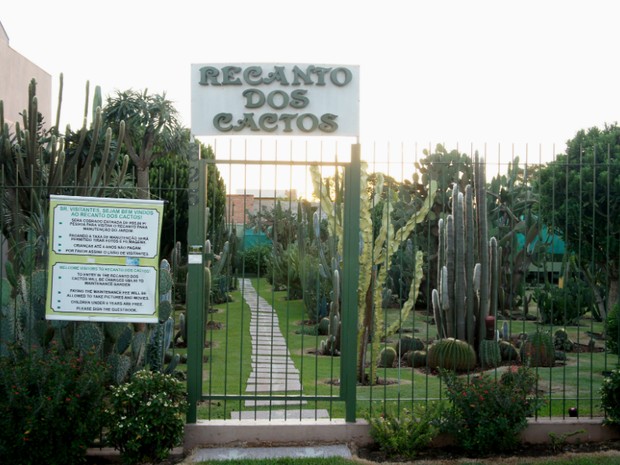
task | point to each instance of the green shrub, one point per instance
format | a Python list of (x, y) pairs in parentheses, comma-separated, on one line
[(405, 433), (488, 414), (563, 305), (146, 417), (612, 329), (610, 397), (52, 406), (256, 260)]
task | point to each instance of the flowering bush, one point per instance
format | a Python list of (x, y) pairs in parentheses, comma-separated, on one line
[(146, 417), (51, 407), (488, 413)]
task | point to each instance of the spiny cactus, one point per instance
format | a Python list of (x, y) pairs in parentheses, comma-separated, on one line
[(37, 163), (538, 350), (416, 358), (407, 343), (509, 352), (88, 338), (562, 342), (387, 357), (451, 354), (374, 251), (489, 354), (468, 287), (332, 343), (323, 327), (120, 366)]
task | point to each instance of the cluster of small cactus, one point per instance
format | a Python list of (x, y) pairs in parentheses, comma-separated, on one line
[(410, 351)]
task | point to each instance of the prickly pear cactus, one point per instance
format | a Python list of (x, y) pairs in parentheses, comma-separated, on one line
[(88, 338)]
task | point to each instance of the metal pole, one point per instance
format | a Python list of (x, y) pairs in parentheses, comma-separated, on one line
[(196, 237), (350, 283)]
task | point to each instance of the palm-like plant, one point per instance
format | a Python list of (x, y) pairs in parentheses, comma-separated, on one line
[(152, 129)]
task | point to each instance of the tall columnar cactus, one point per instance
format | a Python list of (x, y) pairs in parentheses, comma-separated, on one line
[(468, 269), (37, 163), (332, 344)]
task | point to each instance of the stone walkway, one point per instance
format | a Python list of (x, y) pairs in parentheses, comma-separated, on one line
[(273, 370)]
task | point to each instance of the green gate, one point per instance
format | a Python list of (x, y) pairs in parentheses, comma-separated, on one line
[(241, 358)]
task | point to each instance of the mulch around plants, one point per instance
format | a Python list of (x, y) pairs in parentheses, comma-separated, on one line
[(525, 453)]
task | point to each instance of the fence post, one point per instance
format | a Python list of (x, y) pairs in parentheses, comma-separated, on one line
[(350, 283), (196, 237)]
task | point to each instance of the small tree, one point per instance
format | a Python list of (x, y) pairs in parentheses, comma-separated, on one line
[(151, 130), (578, 196)]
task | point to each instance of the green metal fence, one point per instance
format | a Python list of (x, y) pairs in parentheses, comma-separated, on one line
[(272, 333)]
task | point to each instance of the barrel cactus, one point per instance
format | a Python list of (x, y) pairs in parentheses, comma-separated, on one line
[(416, 358), (451, 354), (387, 357), (407, 343), (509, 352)]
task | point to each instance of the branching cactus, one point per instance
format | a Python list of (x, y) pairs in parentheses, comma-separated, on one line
[(468, 270), (376, 255)]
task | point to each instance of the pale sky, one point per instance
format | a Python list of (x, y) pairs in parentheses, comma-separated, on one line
[(435, 71)]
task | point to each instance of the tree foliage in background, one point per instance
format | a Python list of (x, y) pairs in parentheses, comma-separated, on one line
[(151, 130), (579, 194)]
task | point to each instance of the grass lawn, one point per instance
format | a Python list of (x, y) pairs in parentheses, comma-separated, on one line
[(574, 382)]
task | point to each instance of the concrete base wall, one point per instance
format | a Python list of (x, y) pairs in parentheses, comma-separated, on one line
[(249, 433), (222, 433)]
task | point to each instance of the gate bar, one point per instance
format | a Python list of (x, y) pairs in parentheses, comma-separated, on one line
[(350, 274), (196, 237)]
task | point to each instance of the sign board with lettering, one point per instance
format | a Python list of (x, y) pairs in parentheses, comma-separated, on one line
[(275, 99), (103, 259)]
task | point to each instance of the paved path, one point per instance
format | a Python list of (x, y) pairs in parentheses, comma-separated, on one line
[(273, 370)]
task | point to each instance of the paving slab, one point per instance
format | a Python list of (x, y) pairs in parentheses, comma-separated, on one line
[(289, 388), (296, 414), (271, 403), (241, 453)]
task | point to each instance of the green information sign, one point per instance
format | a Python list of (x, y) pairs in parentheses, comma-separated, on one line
[(103, 259)]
